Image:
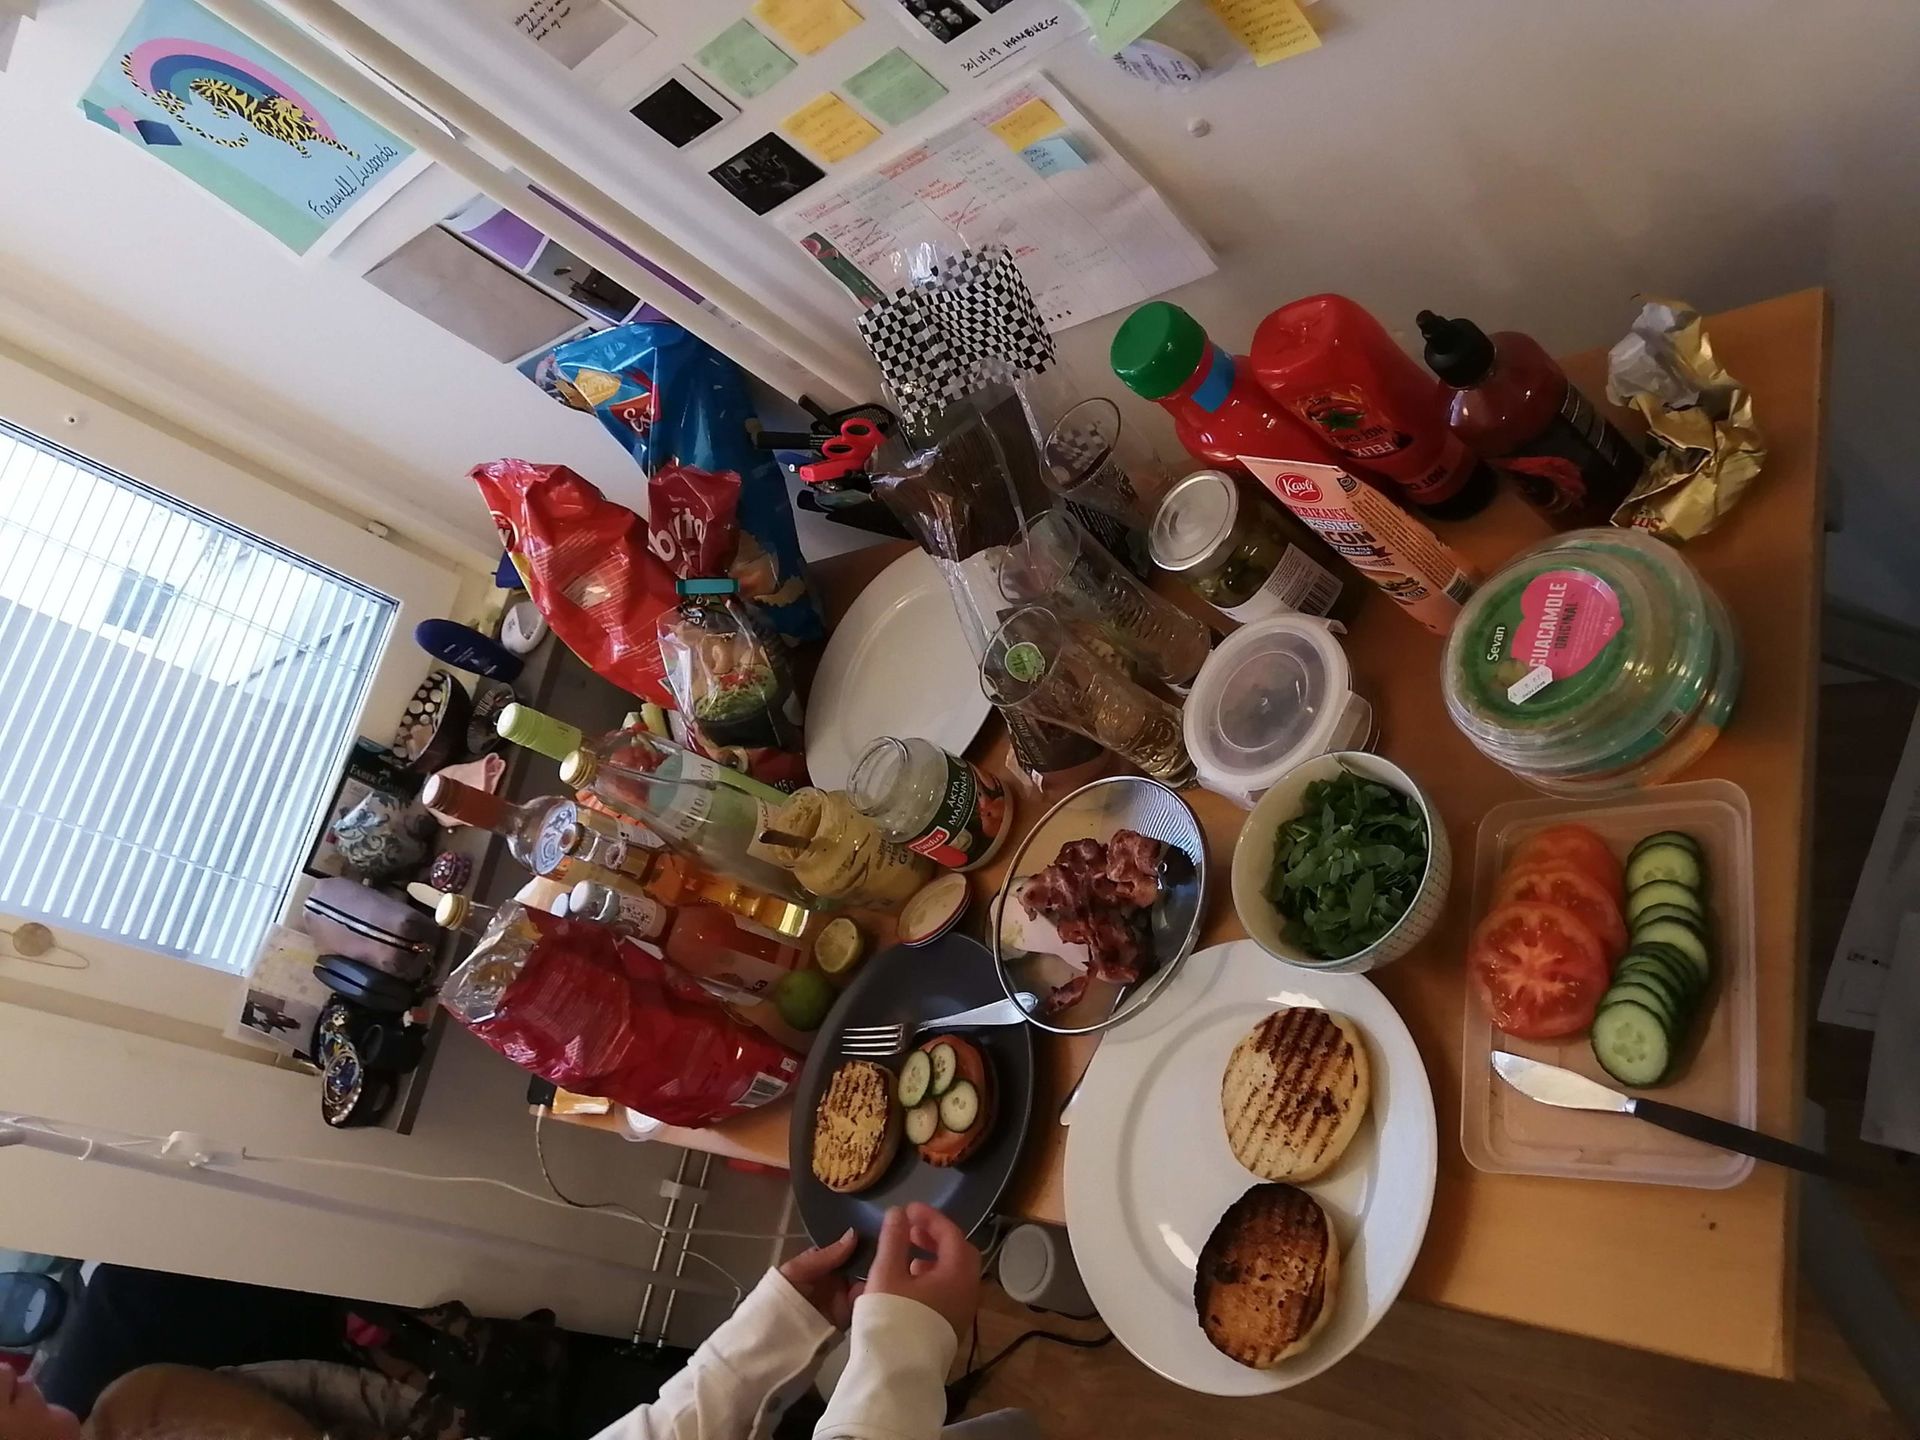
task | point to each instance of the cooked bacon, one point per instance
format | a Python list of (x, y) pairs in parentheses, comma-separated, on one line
[(1133, 868), (1065, 997), (1098, 895)]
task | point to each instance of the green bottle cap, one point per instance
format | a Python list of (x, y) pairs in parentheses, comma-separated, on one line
[(1157, 349), (523, 725)]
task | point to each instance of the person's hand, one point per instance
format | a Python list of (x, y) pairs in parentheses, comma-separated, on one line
[(24, 1415), (816, 1275), (948, 1284)]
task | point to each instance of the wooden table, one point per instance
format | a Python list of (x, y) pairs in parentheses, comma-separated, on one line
[(1700, 1274)]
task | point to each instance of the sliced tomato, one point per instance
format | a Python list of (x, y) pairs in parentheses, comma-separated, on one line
[(1577, 891), (1577, 846), (948, 1147), (1540, 968)]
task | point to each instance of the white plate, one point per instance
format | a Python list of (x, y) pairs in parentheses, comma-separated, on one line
[(1149, 1172), (897, 664)]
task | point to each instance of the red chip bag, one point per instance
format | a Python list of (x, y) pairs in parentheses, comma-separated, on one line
[(586, 564), (592, 1011), (692, 520)]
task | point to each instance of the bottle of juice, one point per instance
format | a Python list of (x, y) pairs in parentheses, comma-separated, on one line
[(1334, 366)]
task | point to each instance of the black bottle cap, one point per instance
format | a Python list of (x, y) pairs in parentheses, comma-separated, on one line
[(1458, 351)]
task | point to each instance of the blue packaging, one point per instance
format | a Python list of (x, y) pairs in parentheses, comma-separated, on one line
[(668, 396)]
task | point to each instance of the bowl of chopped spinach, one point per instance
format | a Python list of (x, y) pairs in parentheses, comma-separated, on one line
[(1343, 865)]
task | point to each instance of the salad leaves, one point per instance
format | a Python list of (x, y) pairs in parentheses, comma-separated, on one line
[(1347, 867)]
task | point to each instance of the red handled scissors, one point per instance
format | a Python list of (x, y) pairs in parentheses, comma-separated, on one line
[(844, 454)]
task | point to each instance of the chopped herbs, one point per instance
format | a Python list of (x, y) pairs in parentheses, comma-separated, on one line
[(1348, 866)]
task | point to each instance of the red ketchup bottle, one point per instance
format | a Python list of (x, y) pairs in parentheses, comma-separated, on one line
[(1512, 403), (1334, 366)]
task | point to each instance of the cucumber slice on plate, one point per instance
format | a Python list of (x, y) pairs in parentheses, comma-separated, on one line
[(1659, 1002), (960, 1108), (1677, 993), (1631, 1044), (916, 1078), (1683, 937), (1665, 963), (1665, 862), (1663, 892), (945, 1066), (923, 1122)]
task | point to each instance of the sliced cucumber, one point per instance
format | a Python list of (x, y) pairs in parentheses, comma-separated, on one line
[(1665, 862), (923, 1122), (1676, 992), (916, 1078), (1667, 963), (1631, 1044), (960, 1108), (1666, 837), (945, 1065), (1663, 892), (1660, 1002), (1669, 912), (1685, 938)]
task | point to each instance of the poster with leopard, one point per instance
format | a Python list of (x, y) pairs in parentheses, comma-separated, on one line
[(240, 123)]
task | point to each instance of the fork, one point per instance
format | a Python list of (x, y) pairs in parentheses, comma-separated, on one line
[(881, 1042)]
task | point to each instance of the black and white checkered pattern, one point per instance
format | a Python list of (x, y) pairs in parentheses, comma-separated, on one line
[(972, 323)]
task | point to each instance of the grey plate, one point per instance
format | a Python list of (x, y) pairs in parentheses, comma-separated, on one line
[(1096, 811)]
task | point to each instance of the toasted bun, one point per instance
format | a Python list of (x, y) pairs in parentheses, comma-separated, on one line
[(1269, 1276), (1295, 1092), (970, 1063), (857, 1128)]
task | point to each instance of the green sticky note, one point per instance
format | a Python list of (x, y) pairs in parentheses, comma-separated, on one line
[(1118, 23), (894, 88), (744, 60)]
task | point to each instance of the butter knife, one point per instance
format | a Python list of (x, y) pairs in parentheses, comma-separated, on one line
[(1553, 1085)]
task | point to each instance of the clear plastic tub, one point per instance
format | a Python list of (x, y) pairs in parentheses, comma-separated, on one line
[(1595, 663), (1503, 1131)]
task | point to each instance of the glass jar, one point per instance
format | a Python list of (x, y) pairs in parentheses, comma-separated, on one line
[(838, 853), (1234, 550), (1594, 663), (938, 805)]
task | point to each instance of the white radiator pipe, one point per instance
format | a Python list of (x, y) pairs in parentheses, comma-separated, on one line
[(763, 342)]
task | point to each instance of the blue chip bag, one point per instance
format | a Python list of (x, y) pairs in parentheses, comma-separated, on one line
[(670, 397)]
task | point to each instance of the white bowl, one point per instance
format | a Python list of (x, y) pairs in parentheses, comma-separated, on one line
[(1253, 864)]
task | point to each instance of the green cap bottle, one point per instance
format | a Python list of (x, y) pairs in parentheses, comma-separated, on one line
[(1157, 349), (524, 725)]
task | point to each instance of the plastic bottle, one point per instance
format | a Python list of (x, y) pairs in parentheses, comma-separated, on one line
[(1334, 366), (1513, 404)]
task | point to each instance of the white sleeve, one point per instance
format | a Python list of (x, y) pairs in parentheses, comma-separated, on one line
[(895, 1384), (731, 1386)]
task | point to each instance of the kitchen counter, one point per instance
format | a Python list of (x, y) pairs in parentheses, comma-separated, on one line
[(1703, 1275)]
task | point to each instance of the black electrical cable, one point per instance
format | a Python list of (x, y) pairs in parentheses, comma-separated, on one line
[(961, 1392)]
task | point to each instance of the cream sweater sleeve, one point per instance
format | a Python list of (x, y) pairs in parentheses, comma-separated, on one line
[(894, 1387), (737, 1384)]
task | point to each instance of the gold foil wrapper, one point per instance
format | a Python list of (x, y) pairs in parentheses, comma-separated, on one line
[(1709, 450)]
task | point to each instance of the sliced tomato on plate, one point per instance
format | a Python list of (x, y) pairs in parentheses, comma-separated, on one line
[(1540, 968), (1577, 846), (1577, 891)]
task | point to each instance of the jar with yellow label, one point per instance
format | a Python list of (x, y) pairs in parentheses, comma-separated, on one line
[(838, 853)]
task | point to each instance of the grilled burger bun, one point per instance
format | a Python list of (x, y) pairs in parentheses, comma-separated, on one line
[(1268, 1276), (856, 1129), (1295, 1092)]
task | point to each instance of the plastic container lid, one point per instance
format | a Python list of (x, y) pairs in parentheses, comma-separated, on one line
[(1269, 698), (1194, 525)]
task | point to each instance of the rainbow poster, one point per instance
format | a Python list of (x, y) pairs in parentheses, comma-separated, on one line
[(239, 122)]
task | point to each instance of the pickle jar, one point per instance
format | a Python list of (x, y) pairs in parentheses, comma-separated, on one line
[(1235, 552)]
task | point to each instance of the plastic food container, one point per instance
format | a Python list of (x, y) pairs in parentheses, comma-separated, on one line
[(1595, 663), (1503, 1131), (1275, 693), (1253, 865)]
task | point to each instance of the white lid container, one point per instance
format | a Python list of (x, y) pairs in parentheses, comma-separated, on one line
[(1276, 693)]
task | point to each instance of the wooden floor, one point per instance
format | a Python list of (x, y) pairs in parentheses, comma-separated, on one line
[(1435, 1374)]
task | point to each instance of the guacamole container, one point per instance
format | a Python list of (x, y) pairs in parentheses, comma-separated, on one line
[(1594, 663)]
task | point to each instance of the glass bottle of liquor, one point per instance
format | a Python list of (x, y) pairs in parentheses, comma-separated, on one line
[(640, 916), (673, 881), (532, 830)]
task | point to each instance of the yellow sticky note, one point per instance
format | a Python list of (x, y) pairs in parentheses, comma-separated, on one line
[(831, 128), (1033, 121), (1271, 29), (808, 25)]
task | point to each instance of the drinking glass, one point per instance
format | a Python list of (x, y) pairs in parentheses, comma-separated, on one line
[(1034, 666), (1055, 561), (1083, 465)]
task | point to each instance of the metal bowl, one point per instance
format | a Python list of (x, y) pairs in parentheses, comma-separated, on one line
[(1096, 811)]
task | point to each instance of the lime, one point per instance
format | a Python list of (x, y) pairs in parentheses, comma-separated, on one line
[(803, 999), (839, 947)]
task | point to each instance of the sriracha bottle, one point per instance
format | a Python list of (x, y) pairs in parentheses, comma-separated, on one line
[(1334, 366)]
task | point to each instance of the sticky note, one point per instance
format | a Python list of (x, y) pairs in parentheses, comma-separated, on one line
[(807, 25), (1032, 121), (744, 60), (1271, 29), (831, 128), (1118, 23), (895, 88), (1054, 155)]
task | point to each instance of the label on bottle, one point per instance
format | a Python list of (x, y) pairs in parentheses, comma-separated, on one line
[(1349, 421), (1579, 466), (967, 822), (641, 916), (1217, 384), (1298, 584), (547, 854)]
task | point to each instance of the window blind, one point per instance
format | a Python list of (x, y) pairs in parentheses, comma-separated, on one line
[(176, 700)]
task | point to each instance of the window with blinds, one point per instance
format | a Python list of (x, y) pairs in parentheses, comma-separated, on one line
[(176, 701)]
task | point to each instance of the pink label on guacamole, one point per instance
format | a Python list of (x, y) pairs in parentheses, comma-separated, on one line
[(1566, 618)]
